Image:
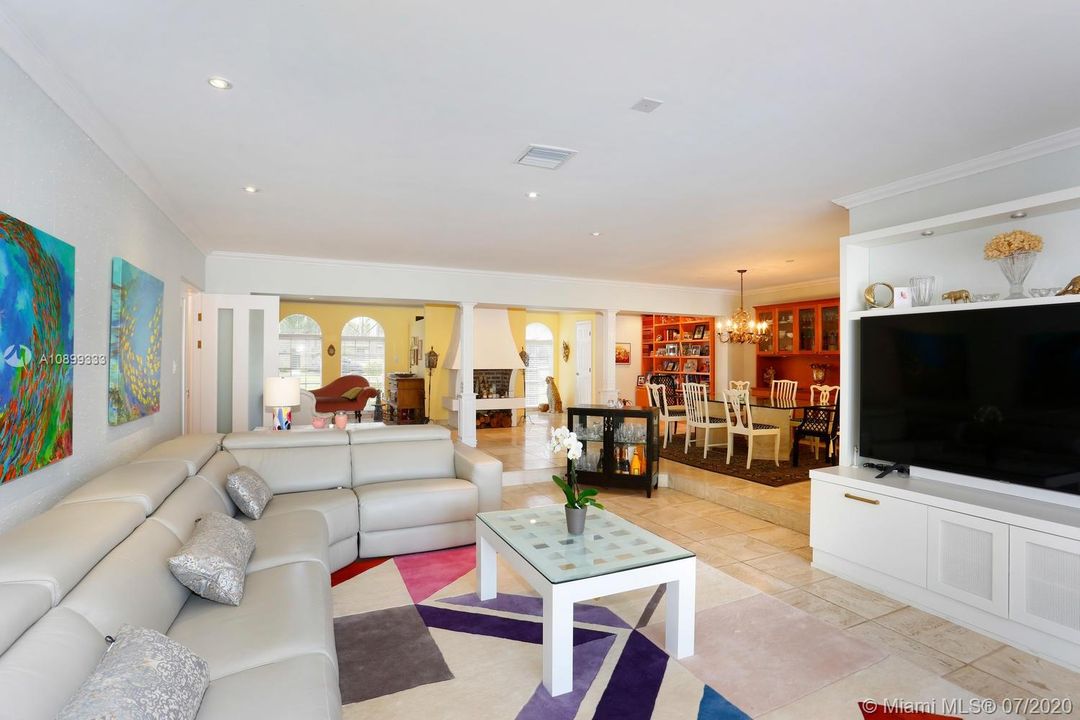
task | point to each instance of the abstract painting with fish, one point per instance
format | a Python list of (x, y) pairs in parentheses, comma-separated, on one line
[(134, 343), (37, 295)]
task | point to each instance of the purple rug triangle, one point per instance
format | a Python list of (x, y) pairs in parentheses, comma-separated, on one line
[(588, 658), (635, 682), (493, 626), (714, 706), (528, 605)]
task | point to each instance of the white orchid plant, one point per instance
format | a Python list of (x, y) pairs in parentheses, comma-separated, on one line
[(562, 440)]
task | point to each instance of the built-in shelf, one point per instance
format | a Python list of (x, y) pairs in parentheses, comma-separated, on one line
[(960, 307)]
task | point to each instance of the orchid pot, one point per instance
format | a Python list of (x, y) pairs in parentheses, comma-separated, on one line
[(577, 499)]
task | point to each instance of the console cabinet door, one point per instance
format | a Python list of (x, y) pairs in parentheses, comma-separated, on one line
[(1045, 582), (968, 559)]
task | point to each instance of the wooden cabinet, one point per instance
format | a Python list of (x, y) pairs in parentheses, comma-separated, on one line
[(804, 334), (405, 398), (621, 446)]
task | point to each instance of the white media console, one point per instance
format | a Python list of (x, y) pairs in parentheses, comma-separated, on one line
[(998, 558)]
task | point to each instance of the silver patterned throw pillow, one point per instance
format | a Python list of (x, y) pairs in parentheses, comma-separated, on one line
[(143, 676), (213, 562), (249, 491)]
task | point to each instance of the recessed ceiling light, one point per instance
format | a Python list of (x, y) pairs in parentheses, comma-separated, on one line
[(533, 195), (1018, 214), (927, 233), (219, 83), (596, 234), (251, 189)]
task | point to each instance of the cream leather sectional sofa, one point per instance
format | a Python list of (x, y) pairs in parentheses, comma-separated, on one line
[(75, 573)]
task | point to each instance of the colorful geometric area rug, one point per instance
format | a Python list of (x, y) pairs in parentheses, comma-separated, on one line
[(414, 641)]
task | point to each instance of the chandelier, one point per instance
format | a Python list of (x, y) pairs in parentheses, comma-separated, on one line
[(741, 328)]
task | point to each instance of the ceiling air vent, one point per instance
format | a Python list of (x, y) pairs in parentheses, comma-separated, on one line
[(542, 156), (646, 104)]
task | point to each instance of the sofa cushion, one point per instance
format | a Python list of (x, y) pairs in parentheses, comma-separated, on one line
[(249, 492), (213, 562), (189, 502), (300, 688), (414, 503), (147, 483), (47, 665), (194, 450), (23, 605), (408, 452), (58, 547), (337, 506), (295, 461), (286, 613), (216, 473), (297, 536), (143, 675), (132, 584)]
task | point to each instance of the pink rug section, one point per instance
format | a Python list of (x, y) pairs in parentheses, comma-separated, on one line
[(426, 573)]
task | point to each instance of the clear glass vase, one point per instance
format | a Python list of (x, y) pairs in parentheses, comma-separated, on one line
[(1015, 268)]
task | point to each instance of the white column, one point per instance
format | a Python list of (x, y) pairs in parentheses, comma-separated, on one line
[(609, 389), (466, 397)]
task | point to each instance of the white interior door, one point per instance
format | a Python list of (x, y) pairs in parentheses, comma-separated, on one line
[(236, 343), (583, 351)]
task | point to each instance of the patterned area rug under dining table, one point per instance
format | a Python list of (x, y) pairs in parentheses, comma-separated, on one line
[(760, 471)]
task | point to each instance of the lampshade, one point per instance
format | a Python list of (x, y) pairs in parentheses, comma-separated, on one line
[(281, 392), (431, 360)]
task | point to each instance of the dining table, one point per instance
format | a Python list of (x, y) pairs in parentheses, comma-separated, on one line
[(770, 411)]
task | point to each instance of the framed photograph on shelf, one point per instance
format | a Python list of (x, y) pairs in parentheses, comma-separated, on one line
[(622, 353), (691, 366), (641, 381), (699, 331)]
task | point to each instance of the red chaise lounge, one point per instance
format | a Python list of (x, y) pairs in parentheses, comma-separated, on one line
[(330, 398)]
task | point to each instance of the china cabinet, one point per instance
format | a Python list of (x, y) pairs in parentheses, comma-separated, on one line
[(621, 446)]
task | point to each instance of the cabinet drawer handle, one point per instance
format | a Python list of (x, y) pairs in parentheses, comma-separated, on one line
[(868, 501)]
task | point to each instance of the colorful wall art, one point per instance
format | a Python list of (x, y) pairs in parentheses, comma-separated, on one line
[(134, 343), (37, 295)]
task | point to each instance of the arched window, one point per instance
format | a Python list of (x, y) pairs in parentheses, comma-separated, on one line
[(540, 344), (300, 350), (363, 350)]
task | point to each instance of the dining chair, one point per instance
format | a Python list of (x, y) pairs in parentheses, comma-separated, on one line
[(696, 396), (741, 422), (738, 384), (668, 414), (783, 390), (820, 423), (824, 394)]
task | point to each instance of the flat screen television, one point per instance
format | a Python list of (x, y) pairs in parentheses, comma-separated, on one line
[(991, 393)]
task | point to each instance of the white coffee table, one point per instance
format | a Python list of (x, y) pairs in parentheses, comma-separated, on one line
[(613, 556)]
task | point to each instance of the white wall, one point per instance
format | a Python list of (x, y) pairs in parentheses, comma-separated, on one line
[(55, 178), (274, 275), (628, 329)]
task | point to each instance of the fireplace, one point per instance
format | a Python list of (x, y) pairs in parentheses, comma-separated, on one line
[(496, 374)]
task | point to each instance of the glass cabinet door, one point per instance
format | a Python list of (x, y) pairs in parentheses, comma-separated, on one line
[(785, 330), (807, 329), (768, 344), (630, 435), (830, 328), (590, 431)]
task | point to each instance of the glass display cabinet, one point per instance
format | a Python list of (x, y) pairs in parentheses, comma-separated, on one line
[(621, 446), (808, 329), (785, 330)]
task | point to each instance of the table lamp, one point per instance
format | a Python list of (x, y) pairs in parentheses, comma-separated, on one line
[(281, 394)]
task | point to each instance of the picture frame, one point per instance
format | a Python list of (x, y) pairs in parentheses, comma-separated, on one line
[(641, 381), (699, 331), (691, 366), (622, 353)]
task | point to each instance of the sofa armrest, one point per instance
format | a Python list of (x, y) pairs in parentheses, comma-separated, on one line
[(483, 471)]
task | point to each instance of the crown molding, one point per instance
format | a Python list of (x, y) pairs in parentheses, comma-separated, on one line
[(63, 92), (830, 281), (1001, 158), (479, 275)]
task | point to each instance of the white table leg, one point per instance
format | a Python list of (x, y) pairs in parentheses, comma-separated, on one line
[(679, 627), (558, 643), (487, 568)]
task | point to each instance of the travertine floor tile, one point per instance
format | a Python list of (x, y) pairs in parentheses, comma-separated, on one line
[(741, 547), (820, 608), (906, 647), (739, 522), (781, 537), (856, 599), (752, 576), (1033, 674), (988, 686), (940, 634), (789, 567)]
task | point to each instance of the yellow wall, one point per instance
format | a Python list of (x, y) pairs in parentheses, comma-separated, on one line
[(567, 370), (395, 320), (438, 326)]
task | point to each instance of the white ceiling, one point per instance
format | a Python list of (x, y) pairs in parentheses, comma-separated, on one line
[(387, 131)]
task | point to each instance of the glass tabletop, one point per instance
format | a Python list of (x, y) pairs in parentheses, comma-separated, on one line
[(765, 402), (609, 544)]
